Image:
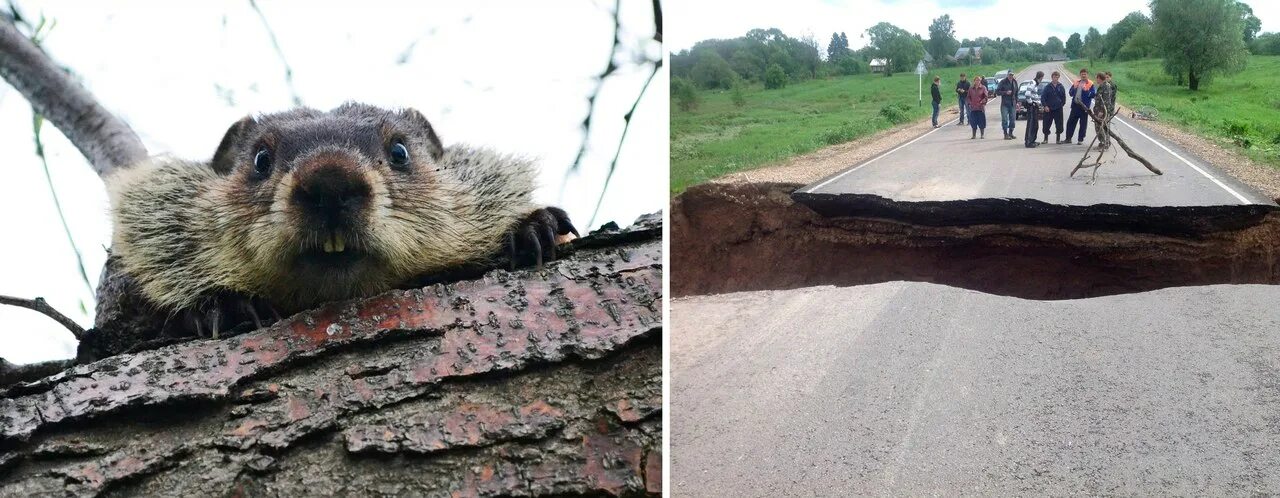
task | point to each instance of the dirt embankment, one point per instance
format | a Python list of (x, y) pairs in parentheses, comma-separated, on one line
[(753, 236)]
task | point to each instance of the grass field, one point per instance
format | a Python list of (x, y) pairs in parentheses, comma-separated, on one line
[(1241, 110), (773, 125)]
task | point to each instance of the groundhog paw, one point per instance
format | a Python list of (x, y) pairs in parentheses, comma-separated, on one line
[(225, 312), (535, 237)]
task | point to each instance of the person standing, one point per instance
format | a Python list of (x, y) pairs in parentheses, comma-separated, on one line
[(1053, 98), (1008, 92), (1032, 96), (1082, 92), (1105, 107), (977, 98), (937, 98), (962, 89)]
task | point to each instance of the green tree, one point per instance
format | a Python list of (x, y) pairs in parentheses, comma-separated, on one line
[(1092, 44), (1266, 44), (1199, 38), (1252, 25), (1053, 46), (1120, 33), (1141, 44), (712, 71), (685, 93), (775, 77), (833, 48), (942, 38), (1074, 45), (898, 47)]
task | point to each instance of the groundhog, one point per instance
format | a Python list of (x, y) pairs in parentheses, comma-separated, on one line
[(305, 206)]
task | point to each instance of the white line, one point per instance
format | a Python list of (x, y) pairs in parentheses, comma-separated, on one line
[(895, 149), (1224, 186)]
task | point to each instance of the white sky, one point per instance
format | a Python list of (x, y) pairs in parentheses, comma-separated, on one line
[(510, 75), (1028, 20)]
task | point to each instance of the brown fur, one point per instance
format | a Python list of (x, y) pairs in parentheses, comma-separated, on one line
[(186, 229)]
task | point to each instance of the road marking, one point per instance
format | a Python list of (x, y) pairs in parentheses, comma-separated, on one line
[(895, 149), (1224, 186)]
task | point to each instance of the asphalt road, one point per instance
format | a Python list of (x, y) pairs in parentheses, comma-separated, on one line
[(946, 165), (921, 389)]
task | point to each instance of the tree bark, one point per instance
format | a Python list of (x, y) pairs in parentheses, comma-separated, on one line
[(1191, 78), (517, 384)]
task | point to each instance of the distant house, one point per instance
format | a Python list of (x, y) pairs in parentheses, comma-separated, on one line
[(1058, 57), (928, 59), (962, 52), (877, 65)]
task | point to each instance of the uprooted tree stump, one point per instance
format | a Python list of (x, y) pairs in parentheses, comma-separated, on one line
[(529, 382)]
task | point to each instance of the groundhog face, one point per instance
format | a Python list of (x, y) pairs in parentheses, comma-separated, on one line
[(326, 196)]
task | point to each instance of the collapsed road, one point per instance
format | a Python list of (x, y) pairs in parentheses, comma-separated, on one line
[(987, 215)]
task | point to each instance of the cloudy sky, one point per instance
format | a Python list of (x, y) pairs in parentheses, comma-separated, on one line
[(692, 21), (490, 73)]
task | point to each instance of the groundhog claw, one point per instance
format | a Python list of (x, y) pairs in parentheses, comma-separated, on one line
[(536, 235), (224, 312)]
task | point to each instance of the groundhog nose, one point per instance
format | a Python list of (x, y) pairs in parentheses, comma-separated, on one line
[(331, 191)]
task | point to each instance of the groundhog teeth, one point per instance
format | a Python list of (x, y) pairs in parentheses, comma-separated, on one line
[(339, 242)]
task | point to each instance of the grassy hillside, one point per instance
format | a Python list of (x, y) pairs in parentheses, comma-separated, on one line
[(773, 125), (1242, 109)]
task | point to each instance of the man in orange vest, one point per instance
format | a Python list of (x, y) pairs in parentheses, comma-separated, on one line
[(1082, 92)]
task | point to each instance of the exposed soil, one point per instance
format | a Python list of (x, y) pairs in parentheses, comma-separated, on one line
[(730, 237)]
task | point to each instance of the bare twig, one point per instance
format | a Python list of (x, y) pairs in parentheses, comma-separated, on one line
[(288, 71), (39, 304), (36, 121), (591, 99), (625, 127), (104, 139)]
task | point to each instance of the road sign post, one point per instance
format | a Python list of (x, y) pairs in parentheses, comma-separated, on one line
[(920, 84)]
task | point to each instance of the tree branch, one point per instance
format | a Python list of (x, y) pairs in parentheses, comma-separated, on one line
[(104, 139), (39, 304)]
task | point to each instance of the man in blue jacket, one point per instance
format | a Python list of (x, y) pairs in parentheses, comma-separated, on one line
[(1053, 97), (1082, 92)]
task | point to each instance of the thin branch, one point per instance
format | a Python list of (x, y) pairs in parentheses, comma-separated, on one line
[(39, 304), (591, 99), (104, 139), (36, 121), (622, 139), (288, 71)]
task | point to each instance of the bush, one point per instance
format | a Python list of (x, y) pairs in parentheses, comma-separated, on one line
[(775, 77), (849, 65), (738, 96), (896, 112), (685, 94)]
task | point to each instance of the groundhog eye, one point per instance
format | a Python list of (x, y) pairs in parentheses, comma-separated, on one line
[(262, 162), (399, 154)]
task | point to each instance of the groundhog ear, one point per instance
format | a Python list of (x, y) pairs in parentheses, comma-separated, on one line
[(224, 159), (420, 121)]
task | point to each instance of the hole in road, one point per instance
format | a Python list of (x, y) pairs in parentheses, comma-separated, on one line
[(740, 237)]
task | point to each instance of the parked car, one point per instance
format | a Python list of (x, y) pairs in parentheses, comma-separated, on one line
[(1020, 111), (1002, 74), (991, 84)]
